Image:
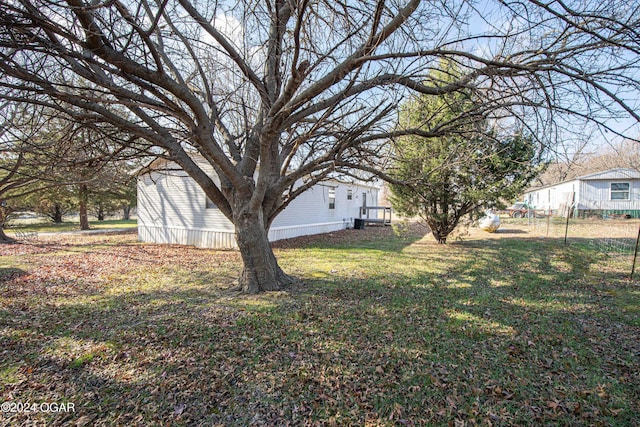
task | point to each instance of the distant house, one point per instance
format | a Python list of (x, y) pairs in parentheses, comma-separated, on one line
[(610, 192), (172, 208)]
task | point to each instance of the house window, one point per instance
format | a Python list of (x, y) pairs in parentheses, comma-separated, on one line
[(349, 194), (620, 191), (332, 198), (209, 204)]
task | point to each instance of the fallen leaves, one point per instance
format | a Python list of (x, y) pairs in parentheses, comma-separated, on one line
[(146, 335)]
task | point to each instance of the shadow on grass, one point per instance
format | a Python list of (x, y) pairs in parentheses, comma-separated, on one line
[(10, 273), (510, 231), (512, 332), (134, 359), (525, 314), (374, 237)]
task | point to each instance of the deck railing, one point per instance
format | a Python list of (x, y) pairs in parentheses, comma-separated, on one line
[(371, 214)]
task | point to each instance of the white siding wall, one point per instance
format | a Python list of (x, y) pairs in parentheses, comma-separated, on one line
[(552, 198), (563, 194), (312, 207), (540, 199), (590, 195), (596, 195), (172, 209)]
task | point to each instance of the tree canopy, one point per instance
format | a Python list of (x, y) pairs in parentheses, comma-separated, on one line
[(278, 95), (473, 167)]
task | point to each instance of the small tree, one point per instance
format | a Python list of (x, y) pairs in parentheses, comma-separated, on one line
[(54, 202), (445, 178), (103, 205), (116, 192), (128, 197)]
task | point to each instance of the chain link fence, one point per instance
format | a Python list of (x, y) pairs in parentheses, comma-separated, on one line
[(614, 235)]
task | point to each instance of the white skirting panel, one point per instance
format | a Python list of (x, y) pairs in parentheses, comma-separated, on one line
[(182, 236), (288, 232), (224, 239)]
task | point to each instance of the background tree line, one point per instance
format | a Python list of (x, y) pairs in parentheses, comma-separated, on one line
[(53, 166)]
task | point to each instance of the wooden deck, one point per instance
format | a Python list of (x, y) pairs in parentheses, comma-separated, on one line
[(371, 215)]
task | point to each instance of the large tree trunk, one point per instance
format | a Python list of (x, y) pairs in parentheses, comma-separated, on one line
[(83, 201), (261, 270), (441, 239), (57, 214), (4, 215), (4, 238), (441, 230), (126, 212)]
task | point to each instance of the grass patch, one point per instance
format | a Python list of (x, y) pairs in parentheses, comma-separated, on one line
[(387, 330)]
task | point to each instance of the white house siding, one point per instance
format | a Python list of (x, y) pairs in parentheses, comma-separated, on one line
[(565, 196), (172, 209), (309, 213), (592, 194), (596, 195), (553, 198), (312, 207)]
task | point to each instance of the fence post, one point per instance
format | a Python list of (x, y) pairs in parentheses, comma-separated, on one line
[(569, 208), (635, 255)]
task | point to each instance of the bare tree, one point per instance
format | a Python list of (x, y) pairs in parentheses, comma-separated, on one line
[(587, 156), (625, 154), (278, 95), (568, 157)]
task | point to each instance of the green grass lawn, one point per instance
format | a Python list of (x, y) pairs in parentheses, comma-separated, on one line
[(48, 227), (387, 330)]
